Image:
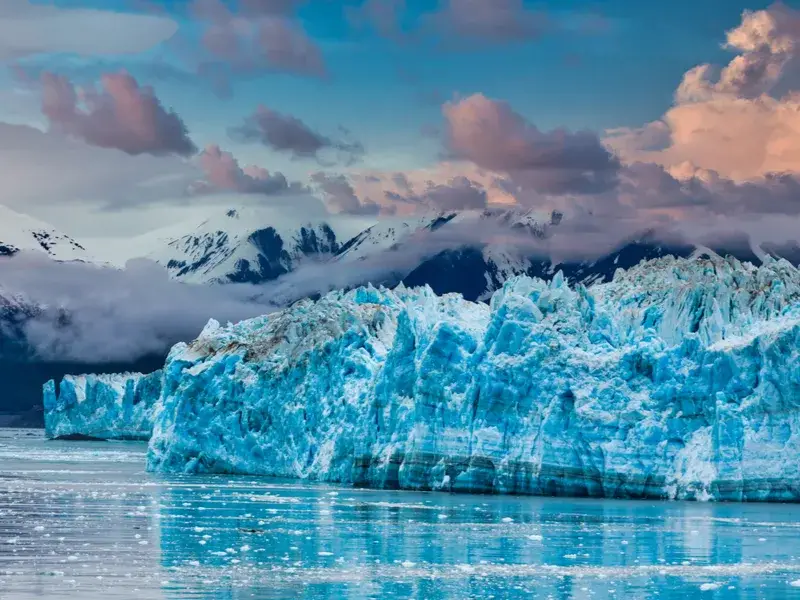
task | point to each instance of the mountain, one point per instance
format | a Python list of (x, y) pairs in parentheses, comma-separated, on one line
[(238, 245), (21, 371), (477, 273), (472, 270), (238, 248), (20, 232), (256, 244), (677, 379), (242, 244)]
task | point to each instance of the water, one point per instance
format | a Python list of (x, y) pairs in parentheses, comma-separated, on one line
[(83, 520)]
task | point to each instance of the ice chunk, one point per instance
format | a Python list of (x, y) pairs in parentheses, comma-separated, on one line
[(102, 406)]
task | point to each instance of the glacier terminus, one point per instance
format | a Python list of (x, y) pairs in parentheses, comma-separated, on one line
[(678, 379)]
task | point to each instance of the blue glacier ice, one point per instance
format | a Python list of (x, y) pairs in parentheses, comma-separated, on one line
[(102, 406), (678, 379)]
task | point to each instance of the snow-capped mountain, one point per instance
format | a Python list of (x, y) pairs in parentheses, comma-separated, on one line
[(472, 269), (256, 244), (20, 232), (237, 245), (242, 250), (389, 234), (392, 233)]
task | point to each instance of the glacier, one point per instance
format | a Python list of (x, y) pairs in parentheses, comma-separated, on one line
[(108, 407), (677, 379)]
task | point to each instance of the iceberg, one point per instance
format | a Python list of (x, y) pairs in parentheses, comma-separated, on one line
[(108, 407), (677, 379)]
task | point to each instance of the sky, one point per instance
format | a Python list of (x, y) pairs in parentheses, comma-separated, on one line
[(117, 116)]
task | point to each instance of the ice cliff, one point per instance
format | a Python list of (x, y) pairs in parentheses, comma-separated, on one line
[(102, 406), (678, 379)]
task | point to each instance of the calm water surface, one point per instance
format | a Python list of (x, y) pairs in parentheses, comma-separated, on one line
[(83, 520)]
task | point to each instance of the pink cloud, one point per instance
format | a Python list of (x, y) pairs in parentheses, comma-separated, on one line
[(384, 16), (491, 20), (270, 7), (286, 47), (490, 134), (460, 193), (728, 122), (286, 133), (444, 186), (223, 173), (340, 195), (262, 36), (122, 115)]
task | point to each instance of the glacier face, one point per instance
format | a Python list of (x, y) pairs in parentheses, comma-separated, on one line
[(102, 406), (678, 379)]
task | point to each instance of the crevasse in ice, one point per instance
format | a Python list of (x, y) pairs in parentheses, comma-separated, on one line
[(102, 406), (679, 379)]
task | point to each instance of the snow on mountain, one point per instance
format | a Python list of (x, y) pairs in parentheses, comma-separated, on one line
[(390, 233), (474, 270), (393, 232), (258, 243), (239, 244), (677, 379), (22, 232)]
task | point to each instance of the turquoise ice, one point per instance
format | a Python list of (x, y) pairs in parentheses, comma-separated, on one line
[(678, 379), (102, 406)]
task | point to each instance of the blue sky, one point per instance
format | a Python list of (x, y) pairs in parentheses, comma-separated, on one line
[(384, 92), (135, 104)]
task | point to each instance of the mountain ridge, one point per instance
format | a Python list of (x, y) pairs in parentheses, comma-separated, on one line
[(259, 245)]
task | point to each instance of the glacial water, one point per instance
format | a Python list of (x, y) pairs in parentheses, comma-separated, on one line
[(83, 520)]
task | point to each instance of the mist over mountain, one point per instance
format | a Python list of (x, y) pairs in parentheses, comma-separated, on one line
[(111, 305)]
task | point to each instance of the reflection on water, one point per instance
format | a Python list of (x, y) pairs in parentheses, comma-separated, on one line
[(83, 520)]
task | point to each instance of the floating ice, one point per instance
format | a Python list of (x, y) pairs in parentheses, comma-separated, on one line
[(102, 406)]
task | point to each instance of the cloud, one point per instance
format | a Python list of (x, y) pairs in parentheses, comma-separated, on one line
[(384, 16), (767, 41), (495, 21), (96, 314), (490, 20), (287, 48), (270, 7), (648, 194), (581, 237), (27, 29), (51, 169), (490, 134), (261, 37), (223, 173), (726, 120), (644, 195), (405, 192), (340, 195), (121, 115), (460, 193), (286, 133), (462, 23), (401, 181)]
